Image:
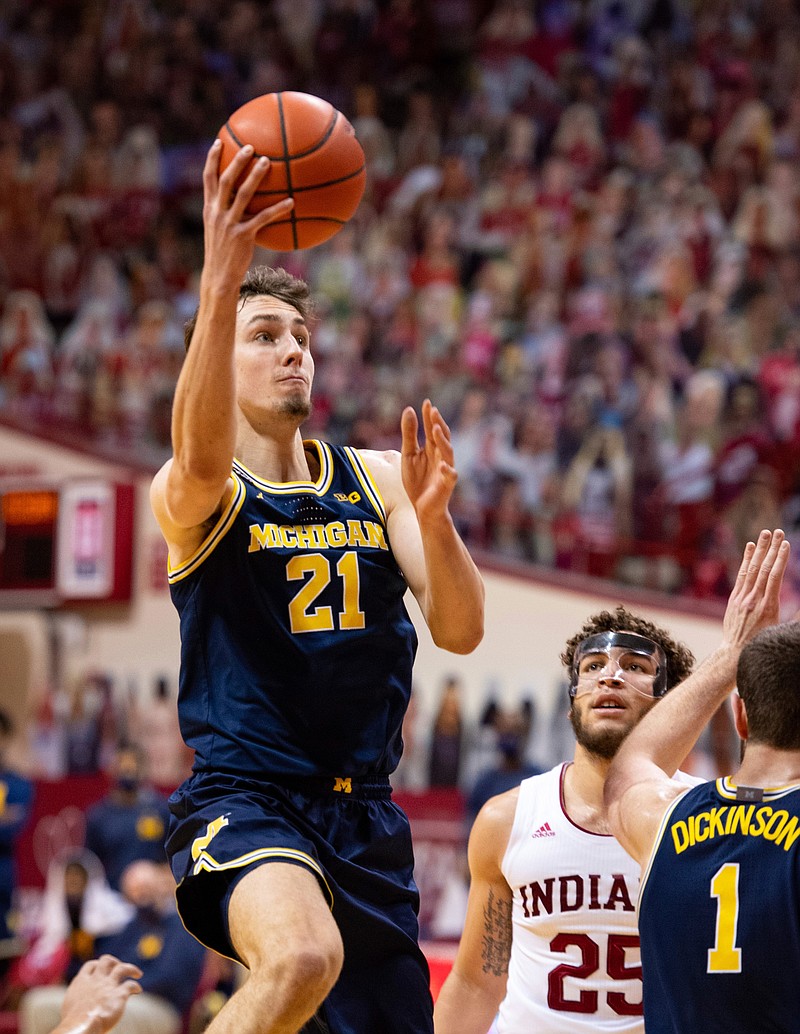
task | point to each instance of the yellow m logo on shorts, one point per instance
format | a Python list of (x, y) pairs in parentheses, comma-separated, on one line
[(199, 844), (341, 784)]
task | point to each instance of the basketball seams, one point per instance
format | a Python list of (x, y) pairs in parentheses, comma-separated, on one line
[(311, 219), (312, 186), (288, 163), (286, 155), (320, 143)]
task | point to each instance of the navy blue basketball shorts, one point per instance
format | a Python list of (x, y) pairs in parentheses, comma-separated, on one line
[(355, 840)]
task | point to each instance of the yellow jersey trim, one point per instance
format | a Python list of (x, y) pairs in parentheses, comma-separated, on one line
[(212, 540), (728, 789), (367, 481), (207, 863), (656, 844), (318, 487)]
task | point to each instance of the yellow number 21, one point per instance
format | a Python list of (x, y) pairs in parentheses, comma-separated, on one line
[(303, 615), (725, 957)]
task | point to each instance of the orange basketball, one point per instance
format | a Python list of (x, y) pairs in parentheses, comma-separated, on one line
[(315, 158)]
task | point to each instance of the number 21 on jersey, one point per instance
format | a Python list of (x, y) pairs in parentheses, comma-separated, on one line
[(316, 568)]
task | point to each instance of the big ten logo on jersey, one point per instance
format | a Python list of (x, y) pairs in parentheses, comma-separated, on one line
[(317, 571)]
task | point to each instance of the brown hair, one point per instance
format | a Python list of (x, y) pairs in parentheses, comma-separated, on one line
[(265, 280), (768, 680), (680, 659)]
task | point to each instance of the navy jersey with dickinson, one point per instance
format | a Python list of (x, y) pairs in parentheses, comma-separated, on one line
[(719, 913), (296, 646)]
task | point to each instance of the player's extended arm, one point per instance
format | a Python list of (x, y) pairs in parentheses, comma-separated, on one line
[(96, 998), (474, 988), (190, 487), (436, 563), (638, 788)]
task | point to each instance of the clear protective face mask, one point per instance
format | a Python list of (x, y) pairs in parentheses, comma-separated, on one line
[(633, 660)]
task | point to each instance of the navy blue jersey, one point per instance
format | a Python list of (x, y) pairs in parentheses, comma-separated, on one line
[(719, 913), (296, 647)]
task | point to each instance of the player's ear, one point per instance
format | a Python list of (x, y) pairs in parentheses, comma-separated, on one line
[(739, 716)]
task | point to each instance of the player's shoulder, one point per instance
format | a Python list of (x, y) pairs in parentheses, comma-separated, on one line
[(380, 459), (490, 832), (497, 814), (687, 779), (384, 466)]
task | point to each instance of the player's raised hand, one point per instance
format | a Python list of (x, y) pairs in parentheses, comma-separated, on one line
[(429, 476), (754, 602), (96, 997), (230, 236)]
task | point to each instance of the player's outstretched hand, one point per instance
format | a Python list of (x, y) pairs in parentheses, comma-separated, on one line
[(230, 234), (96, 997), (429, 476), (754, 602)]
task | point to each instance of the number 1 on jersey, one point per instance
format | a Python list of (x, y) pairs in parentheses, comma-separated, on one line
[(725, 957)]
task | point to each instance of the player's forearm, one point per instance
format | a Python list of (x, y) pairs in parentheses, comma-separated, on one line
[(204, 411), (464, 1007), (454, 599), (667, 734), (89, 1022)]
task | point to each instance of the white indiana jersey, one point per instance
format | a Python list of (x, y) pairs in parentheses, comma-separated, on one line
[(575, 963)]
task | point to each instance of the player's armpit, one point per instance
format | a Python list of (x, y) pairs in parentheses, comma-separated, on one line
[(185, 519), (635, 814)]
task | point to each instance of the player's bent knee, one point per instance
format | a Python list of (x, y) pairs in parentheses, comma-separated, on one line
[(301, 970)]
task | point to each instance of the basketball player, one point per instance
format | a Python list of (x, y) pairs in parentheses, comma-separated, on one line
[(550, 933), (719, 908), (289, 561)]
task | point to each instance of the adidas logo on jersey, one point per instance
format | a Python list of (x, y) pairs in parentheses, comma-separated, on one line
[(543, 831)]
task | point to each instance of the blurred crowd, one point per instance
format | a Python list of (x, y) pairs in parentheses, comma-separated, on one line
[(580, 237), (107, 889)]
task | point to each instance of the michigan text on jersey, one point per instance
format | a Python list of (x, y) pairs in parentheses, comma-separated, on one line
[(774, 825), (354, 533)]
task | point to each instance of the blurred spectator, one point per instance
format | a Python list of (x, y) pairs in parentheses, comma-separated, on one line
[(130, 823), (27, 342), (78, 907), (596, 501), (90, 724), (155, 727), (744, 442), (16, 801), (513, 731), (687, 463), (447, 737), (153, 939)]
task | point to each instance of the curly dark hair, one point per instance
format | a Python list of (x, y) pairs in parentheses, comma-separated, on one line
[(680, 659), (266, 280)]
